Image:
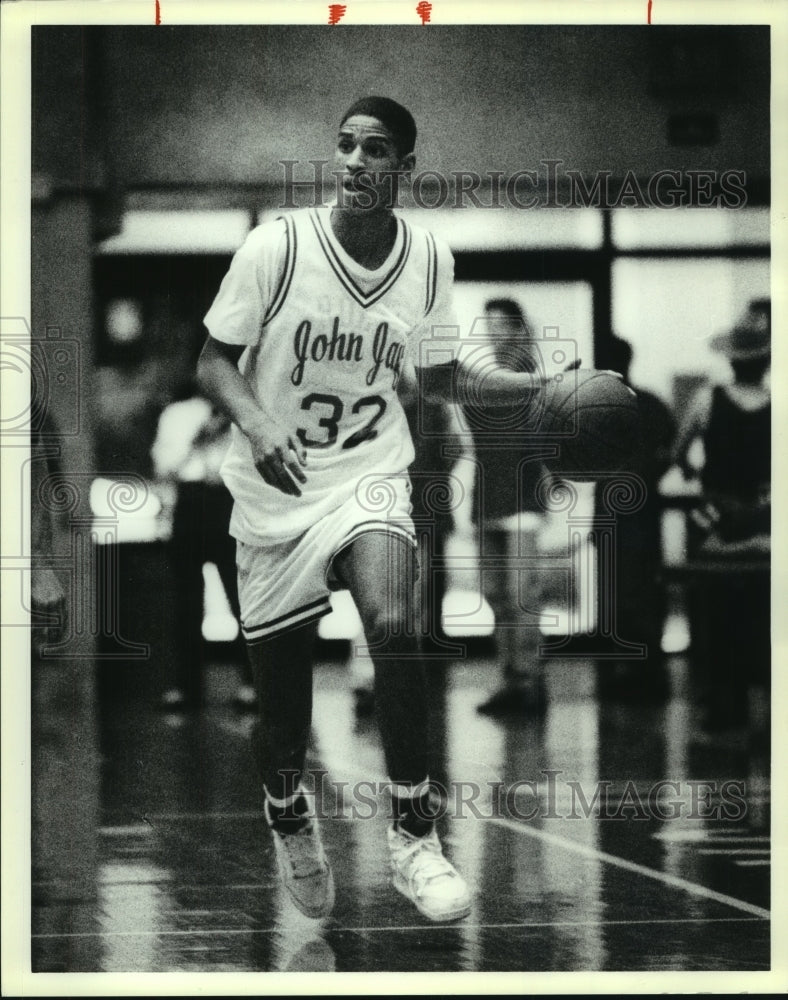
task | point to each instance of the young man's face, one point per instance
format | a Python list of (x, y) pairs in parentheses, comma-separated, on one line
[(368, 163)]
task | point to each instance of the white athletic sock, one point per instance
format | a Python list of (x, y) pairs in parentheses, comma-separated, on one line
[(288, 811)]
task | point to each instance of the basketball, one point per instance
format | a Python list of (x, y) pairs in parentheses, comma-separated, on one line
[(593, 418)]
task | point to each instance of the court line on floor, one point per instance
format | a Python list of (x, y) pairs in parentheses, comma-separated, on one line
[(707, 836), (687, 836), (665, 878), (457, 925), (135, 830), (184, 887), (729, 852), (632, 866), (591, 852), (242, 814)]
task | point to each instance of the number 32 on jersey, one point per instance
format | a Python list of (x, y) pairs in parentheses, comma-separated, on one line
[(329, 410)]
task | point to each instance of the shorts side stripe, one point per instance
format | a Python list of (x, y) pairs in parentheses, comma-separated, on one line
[(300, 616)]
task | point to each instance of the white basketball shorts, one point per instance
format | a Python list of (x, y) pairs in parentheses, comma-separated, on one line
[(285, 585)]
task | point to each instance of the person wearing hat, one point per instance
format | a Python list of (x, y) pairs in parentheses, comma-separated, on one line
[(734, 423), (733, 519)]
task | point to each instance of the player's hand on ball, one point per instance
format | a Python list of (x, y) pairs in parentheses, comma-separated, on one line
[(593, 418), (620, 377), (279, 457)]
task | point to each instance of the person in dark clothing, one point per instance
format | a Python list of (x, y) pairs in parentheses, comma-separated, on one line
[(731, 524), (734, 423), (190, 444), (509, 517), (639, 596)]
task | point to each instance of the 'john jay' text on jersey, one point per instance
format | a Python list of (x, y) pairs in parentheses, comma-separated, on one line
[(308, 346)]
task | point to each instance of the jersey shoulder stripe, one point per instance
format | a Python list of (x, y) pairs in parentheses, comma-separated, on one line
[(286, 276), (364, 299), (432, 273)]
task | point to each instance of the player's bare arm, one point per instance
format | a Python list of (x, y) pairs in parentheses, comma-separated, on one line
[(493, 386), (279, 456)]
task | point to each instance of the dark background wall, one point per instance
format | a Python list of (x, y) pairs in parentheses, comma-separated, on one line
[(207, 112), (196, 112), (215, 105)]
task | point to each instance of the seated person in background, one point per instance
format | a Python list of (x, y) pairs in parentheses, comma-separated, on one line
[(190, 444), (128, 401), (732, 522), (509, 517), (640, 597)]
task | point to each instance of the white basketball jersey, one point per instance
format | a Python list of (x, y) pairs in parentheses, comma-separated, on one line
[(327, 343)]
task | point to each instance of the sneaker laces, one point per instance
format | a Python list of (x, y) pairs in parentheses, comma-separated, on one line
[(303, 851), (424, 861)]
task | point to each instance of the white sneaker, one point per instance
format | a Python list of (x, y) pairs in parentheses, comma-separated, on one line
[(304, 868), (425, 877)]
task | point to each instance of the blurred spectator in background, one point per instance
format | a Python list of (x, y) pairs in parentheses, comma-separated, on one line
[(129, 397), (732, 523), (510, 518), (190, 444), (734, 423), (47, 597), (639, 597)]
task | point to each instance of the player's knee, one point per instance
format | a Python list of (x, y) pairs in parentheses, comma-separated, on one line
[(385, 621)]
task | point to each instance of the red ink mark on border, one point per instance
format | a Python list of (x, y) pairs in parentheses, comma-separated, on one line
[(649, 11), (158, 12), (335, 12), (424, 10)]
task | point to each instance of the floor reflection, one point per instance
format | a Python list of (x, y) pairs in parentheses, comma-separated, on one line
[(298, 943), (152, 854)]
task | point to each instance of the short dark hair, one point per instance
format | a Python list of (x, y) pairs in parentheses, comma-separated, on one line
[(394, 116), (508, 307), (619, 354)]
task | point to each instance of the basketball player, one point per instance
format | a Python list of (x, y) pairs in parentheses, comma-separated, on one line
[(308, 337)]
